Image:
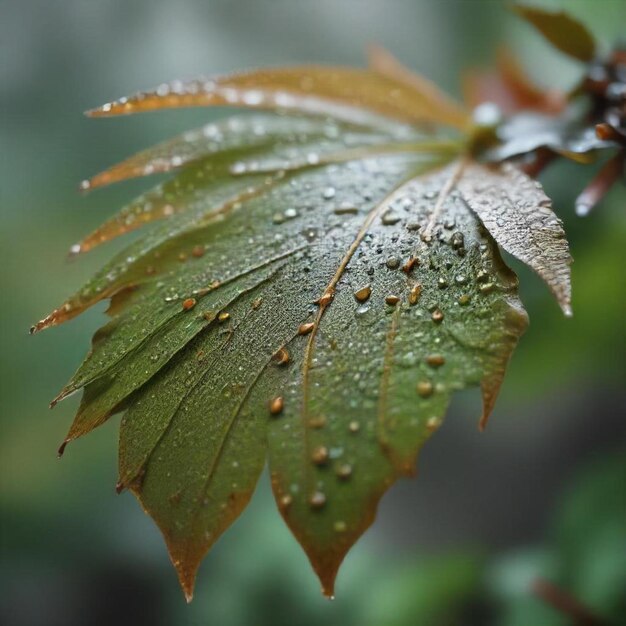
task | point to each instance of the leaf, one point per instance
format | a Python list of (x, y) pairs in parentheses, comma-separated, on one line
[(510, 88), (566, 135), (350, 94), (245, 145), (519, 216), (563, 31), (316, 312)]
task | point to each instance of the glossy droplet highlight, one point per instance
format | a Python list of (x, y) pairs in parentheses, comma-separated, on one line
[(340, 526), (425, 388), (326, 299), (363, 294), (433, 423), (319, 456), (276, 405), (415, 293), (317, 500), (281, 357), (435, 360), (344, 471), (410, 264), (285, 501)]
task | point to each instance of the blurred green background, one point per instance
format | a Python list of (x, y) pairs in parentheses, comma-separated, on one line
[(542, 494)]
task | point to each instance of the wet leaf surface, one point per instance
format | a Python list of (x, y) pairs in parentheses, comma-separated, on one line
[(566, 135), (306, 291), (342, 92)]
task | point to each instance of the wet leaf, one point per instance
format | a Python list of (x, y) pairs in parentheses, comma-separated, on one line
[(306, 290), (518, 214), (561, 30), (341, 92), (565, 134)]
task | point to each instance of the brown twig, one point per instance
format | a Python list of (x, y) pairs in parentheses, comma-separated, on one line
[(542, 158), (600, 184), (564, 602)]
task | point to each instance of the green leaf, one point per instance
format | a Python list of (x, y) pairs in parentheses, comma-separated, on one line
[(563, 31), (316, 312)]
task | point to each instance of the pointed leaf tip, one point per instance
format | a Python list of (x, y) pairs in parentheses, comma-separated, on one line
[(61, 450)]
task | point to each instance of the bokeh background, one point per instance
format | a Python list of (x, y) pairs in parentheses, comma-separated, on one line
[(542, 494)]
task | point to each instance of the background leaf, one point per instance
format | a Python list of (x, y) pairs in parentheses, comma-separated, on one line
[(561, 30)]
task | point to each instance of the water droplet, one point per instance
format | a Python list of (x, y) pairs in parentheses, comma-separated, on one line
[(457, 240), (276, 405), (425, 388), (435, 360), (415, 293), (345, 208), (317, 500), (433, 423), (442, 283), (363, 293), (326, 299), (328, 193), (393, 263), (410, 264), (344, 471), (340, 527), (319, 456), (582, 209), (281, 356), (239, 167), (285, 501), (390, 218)]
